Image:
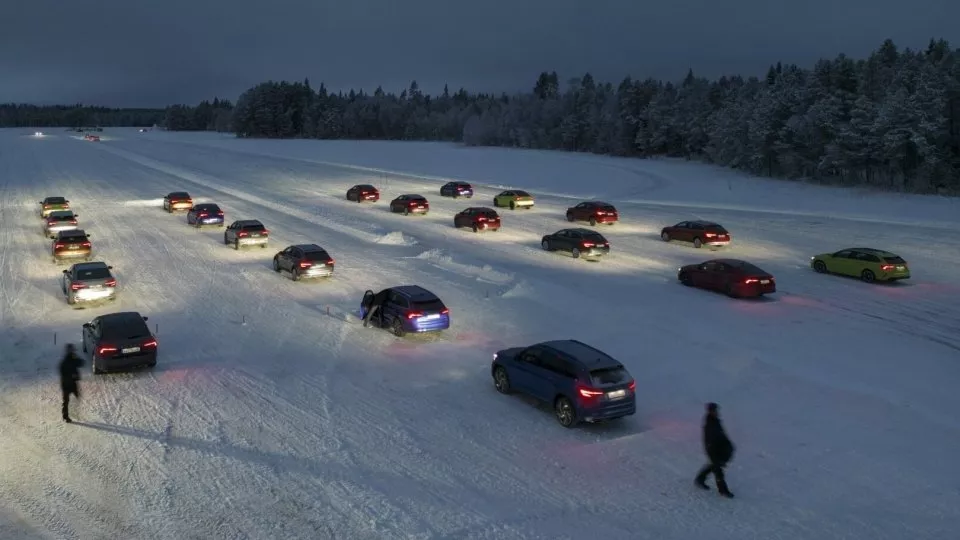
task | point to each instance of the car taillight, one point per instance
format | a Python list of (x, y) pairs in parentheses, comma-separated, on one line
[(265, 232), (203, 215), (751, 280), (330, 262), (241, 233), (86, 244), (59, 245), (77, 286), (481, 218), (445, 311), (149, 344), (632, 386), (587, 392), (412, 203), (588, 244), (887, 267), (306, 264), (106, 349), (414, 315), (710, 235), (111, 282), (220, 213), (73, 222)]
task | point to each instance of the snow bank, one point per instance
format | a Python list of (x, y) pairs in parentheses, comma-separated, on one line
[(144, 202), (397, 238), (485, 273)]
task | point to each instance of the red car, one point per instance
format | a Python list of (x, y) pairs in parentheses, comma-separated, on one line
[(410, 204), (363, 192), (594, 212), (94, 138), (478, 219), (700, 233), (736, 278)]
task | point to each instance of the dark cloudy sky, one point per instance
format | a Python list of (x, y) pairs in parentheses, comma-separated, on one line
[(156, 52)]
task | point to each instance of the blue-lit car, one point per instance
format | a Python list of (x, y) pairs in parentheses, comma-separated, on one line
[(405, 309), (456, 189), (205, 214), (581, 383)]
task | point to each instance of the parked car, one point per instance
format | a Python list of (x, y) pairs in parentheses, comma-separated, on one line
[(89, 282), (71, 245), (578, 242), (246, 232), (580, 382), (205, 214), (93, 138), (456, 189), (176, 201), (60, 220), (594, 212), (119, 341), (513, 199), (363, 192), (53, 204), (304, 261), (410, 204), (736, 278), (867, 264), (699, 232), (478, 218), (403, 309)]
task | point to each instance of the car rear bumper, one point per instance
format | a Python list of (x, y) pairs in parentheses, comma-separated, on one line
[(126, 362), (488, 226), (316, 272), (607, 219), (524, 204), (417, 210), (86, 296), (717, 243), (180, 206), (254, 241), (894, 276), (209, 221), (467, 194), (609, 411), (71, 254), (369, 198), (751, 290), (594, 252)]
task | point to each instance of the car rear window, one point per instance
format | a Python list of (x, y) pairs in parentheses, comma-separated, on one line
[(417, 198), (366, 187), (208, 208), (595, 238), (56, 200), (73, 237), (179, 195), (716, 229), (617, 375), (894, 260), (60, 217), (489, 214), (607, 208), (522, 194), (427, 305), (253, 226), (464, 186), (125, 329), (93, 273), (316, 256)]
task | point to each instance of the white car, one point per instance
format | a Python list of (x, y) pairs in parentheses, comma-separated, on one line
[(89, 282)]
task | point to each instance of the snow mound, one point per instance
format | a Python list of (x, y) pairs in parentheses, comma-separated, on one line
[(397, 238), (481, 272), (144, 202), (522, 289)]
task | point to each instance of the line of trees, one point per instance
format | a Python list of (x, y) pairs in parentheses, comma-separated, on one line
[(20, 115), (213, 115), (890, 121)]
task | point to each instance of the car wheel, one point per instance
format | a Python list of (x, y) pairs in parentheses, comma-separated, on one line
[(93, 366), (501, 380), (868, 276), (495, 205), (729, 291), (569, 217), (546, 245), (236, 245), (575, 253), (71, 300), (276, 265), (406, 211), (295, 275), (476, 229), (566, 414), (513, 205), (398, 328), (697, 243), (593, 222), (665, 237), (83, 345), (820, 267), (685, 279)]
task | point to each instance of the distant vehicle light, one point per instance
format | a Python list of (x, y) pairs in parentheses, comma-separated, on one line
[(38, 134)]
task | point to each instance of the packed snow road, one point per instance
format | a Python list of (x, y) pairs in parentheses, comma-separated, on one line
[(273, 413)]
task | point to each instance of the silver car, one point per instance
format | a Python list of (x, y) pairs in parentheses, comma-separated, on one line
[(246, 232), (60, 220), (89, 283)]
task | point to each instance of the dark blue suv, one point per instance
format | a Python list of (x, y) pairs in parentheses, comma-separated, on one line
[(407, 308), (205, 214), (582, 383)]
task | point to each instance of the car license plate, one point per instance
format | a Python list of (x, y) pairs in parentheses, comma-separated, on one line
[(210, 220), (74, 247), (616, 394), (901, 268), (430, 317), (97, 287), (764, 281), (130, 350)]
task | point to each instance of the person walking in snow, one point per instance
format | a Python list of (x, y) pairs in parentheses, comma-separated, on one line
[(719, 451), (69, 378)]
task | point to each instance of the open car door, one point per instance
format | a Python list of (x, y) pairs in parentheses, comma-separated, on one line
[(366, 304)]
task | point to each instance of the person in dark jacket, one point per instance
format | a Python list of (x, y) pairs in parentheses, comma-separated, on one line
[(69, 378), (719, 451)]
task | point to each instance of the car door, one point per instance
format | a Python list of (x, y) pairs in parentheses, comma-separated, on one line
[(66, 281), (525, 370), (680, 231), (841, 262), (395, 307), (366, 303), (705, 275), (556, 375), (230, 232), (91, 336), (465, 218), (286, 259), (504, 198)]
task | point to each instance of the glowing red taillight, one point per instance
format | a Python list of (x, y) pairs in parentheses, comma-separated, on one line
[(632, 386), (203, 215), (481, 218), (330, 262), (751, 280), (241, 233), (59, 245), (588, 244), (887, 267), (220, 213), (77, 286), (73, 222), (265, 232), (111, 282), (106, 349), (149, 344), (86, 244), (306, 264), (445, 311), (588, 392)]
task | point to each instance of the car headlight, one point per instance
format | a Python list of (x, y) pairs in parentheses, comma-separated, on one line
[(494, 356)]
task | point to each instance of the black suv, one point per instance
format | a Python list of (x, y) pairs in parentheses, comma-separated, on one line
[(579, 242), (304, 261)]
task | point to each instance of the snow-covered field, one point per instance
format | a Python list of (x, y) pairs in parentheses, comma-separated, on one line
[(273, 414)]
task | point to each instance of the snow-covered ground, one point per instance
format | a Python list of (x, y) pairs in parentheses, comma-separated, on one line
[(273, 414)]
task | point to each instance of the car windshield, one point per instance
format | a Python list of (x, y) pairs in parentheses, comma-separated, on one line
[(93, 273), (55, 200), (427, 305), (125, 329), (316, 256), (521, 194), (894, 260), (617, 375)]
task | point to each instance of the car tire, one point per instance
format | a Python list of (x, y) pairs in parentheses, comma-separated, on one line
[(397, 328), (476, 229), (546, 245), (93, 365), (593, 222), (71, 300), (868, 276), (225, 241), (564, 411), (665, 236), (575, 253), (495, 205), (513, 205), (820, 267), (501, 381), (570, 217), (295, 274), (406, 211), (276, 265), (697, 243)]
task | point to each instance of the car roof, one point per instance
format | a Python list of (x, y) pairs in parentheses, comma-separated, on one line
[(705, 223), (458, 183), (872, 251), (480, 209), (90, 265), (309, 247), (590, 357), (121, 317), (414, 292), (582, 230), (365, 186), (55, 199), (598, 203), (737, 263), (206, 204), (74, 232), (412, 196)]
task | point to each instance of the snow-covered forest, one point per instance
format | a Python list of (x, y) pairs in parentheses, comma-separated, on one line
[(890, 121)]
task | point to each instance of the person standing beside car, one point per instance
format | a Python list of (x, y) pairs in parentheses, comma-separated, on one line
[(69, 378)]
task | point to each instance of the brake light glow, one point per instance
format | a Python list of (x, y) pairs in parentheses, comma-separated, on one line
[(710, 234), (111, 282), (59, 245), (149, 344), (588, 244), (203, 215), (46, 206), (106, 349), (887, 267), (414, 315), (751, 280), (241, 233), (330, 262), (265, 232), (587, 392), (481, 218), (86, 244), (306, 264), (220, 213), (77, 286), (632, 386), (73, 222), (445, 311)]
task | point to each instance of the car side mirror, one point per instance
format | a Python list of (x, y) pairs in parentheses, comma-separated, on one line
[(88, 236), (146, 318), (76, 215), (87, 325), (66, 271)]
